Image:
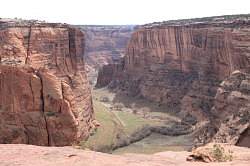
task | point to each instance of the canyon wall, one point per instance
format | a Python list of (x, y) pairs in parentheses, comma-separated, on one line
[(105, 44), (232, 110), (45, 98), (181, 63)]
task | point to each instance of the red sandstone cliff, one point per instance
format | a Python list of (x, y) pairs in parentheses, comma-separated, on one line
[(232, 110), (44, 94), (105, 44), (181, 63)]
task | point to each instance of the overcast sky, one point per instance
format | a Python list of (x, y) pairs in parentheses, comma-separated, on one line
[(118, 11)]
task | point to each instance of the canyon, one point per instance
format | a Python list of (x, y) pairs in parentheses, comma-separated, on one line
[(105, 44), (181, 64), (45, 97), (177, 91)]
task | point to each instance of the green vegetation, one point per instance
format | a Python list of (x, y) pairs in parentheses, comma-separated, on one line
[(116, 126), (132, 122), (157, 143), (126, 123), (106, 135), (220, 155), (50, 113)]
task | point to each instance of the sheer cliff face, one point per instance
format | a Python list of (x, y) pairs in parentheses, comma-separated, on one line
[(205, 49), (45, 98), (105, 44), (182, 65)]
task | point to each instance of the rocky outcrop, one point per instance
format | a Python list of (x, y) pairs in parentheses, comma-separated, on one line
[(232, 110), (105, 44), (218, 153), (181, 63), (44, 94), (109, 73), (105, 75)]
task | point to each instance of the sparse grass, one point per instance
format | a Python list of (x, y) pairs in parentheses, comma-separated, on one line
[(106, 134), (220, 154), (124, 125), (147, 149), (132, 122), (157, 143), (114, 125), (134, 103)]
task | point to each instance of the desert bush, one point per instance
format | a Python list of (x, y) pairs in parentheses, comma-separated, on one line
[(118, 107), (50, 113), (134, 111), (220, 154)]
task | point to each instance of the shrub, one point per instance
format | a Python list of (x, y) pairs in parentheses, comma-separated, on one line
[(118, 107), (219, 154), (50, 113)]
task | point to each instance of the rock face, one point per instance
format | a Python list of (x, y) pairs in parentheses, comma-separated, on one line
[(105, 44), (181, 63), (44, 93), (107, 73), (232, 110)]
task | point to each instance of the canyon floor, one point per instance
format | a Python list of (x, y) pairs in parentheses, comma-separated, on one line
[(126, 123)]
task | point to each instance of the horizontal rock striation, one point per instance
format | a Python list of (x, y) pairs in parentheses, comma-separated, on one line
[(181, 63), (44, 93)]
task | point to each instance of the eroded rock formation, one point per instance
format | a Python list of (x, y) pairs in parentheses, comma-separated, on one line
[(44, 94), (107, 73), (232, 110), (181, 63), (105, 44)]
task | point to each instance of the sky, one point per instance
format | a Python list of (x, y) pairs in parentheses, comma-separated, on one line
[(118, 12)]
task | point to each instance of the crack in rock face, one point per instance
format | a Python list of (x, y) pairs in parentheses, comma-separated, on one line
[(45, 98)]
